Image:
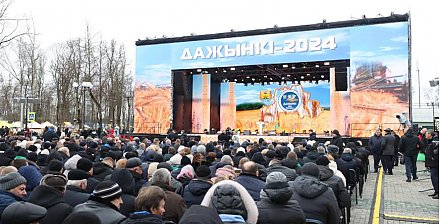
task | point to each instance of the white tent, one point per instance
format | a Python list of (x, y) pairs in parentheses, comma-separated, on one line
[(35, 125), (47, 124), (16, 124)]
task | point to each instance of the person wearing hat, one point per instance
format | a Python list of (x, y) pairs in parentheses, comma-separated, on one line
[(134, 165), (326, 175), (195, 190), (149, 206), (21, 212), (277, 204), (86, 165), (316, 199), (388, 151), (76, 188), (199, 214), (275, 165), (337, 140), (104, 202), (12, 189), (124, 179), (50, 195)]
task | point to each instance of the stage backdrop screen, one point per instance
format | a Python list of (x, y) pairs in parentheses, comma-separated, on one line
[(378, 80)]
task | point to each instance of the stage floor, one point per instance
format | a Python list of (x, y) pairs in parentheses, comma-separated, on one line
[(271, 138)]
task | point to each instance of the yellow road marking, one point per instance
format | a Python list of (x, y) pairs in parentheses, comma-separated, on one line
[(410, 217), (376, 213)]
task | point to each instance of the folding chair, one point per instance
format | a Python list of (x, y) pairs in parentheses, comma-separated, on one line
[(352, 182)]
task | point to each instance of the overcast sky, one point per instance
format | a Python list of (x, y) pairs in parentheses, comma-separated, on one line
[(127, 21)]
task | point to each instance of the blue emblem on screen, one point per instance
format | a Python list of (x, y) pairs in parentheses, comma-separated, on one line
[(289, 101)]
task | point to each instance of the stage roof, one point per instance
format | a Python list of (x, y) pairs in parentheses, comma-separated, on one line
[(317, 26)]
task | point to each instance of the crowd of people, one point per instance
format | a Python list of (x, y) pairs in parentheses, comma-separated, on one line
[(74, 178)]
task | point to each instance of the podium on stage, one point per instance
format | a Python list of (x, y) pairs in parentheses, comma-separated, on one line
[(260, 127)]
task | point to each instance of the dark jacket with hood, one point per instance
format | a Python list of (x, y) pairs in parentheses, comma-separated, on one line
[(408, 144), (337, 140), (195, 191), (75, 195), (123, 178), (327, 176), (316, 199), (143, 217), (139, 181), (252, 183), (52, 199), (278, 206)]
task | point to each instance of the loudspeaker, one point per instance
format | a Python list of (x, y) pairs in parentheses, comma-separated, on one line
[(246, 132), (341, 83)]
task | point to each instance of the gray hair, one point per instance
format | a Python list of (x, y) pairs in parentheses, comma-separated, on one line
[(161, 176), (321, 149), (347, 150), (227, 159)]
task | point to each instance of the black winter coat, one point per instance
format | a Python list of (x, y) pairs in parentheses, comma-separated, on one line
[(107, 213), (431, 155), (409, 144), (388, 145), (316, 199), (75, 196), (337, 140), (143, 218), (53, 201), (278, 207), (327, 176), (101, 170), (195, 191)]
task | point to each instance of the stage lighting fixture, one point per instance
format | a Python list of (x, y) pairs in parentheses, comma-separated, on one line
[(293, 67), (265, 76), (288, 75), (326, 63), (285, 66), (253, 79), (308, 74), (317, 66), (224, 70), (191, 73), (216, 71), (232, 69), (302, 77), (270, 78), (235, 80), (322, 76)]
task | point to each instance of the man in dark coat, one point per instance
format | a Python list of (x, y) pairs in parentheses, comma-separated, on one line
[(409, 145), (50, 195), (276, 166), (104, 202), (175, 205), (103, 169), (375, 144), (124, 179), (337, 140), (327, 176), (277, 204), (316, 199), (86, 165), (250, 181), (196, 189), (134, 165), (12, 189), (388, 151), (76, 188), (432, 160)]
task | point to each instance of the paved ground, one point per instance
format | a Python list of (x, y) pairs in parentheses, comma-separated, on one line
[(399, 198)]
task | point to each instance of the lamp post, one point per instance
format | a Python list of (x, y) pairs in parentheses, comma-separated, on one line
[(85, 85), (76, 118), (434, 83), (127, 126)]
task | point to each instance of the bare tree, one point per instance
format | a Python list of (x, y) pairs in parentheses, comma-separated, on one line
[(9, 27)]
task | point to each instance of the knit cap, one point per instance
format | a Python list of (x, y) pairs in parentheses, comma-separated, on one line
[(11, 180), (310, 169), (107, 190)]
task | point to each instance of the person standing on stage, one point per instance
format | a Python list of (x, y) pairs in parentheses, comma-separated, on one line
[(375, 144), (337, 140)]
